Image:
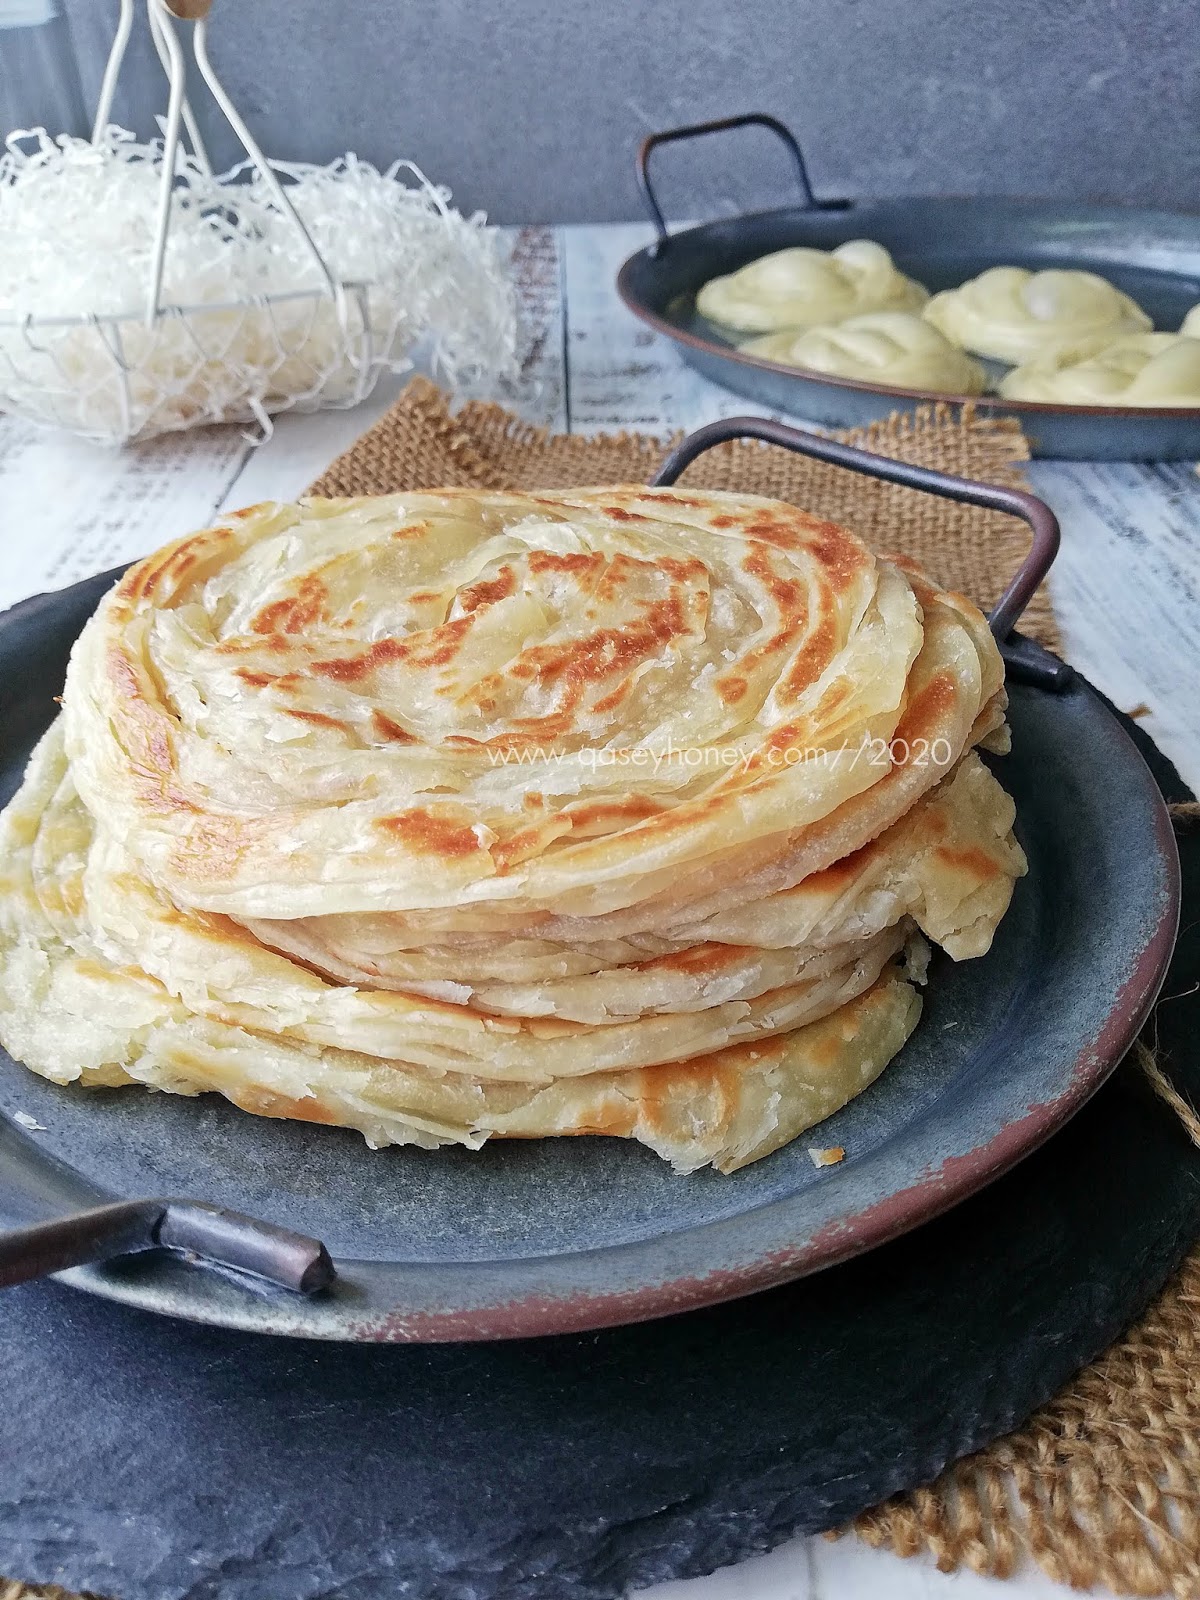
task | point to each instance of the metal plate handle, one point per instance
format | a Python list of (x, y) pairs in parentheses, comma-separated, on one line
[(1025, 659), (223, 1238), (693, 131)]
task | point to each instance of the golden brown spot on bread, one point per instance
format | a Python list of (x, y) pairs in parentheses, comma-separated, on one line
[(825, 1051), (488, 590), (671, 496), (926, 708), (434, 833), (732, 689), (611, 700), (660, 1088), (684, 568), (840, 874), (433, 647), (385, 728), (518, 847), (294, 612), (630, 808), (319, 719), (210, 849), (256, 680), (575, 562), (765, 528), (141, 580), (607, 651), (612, 1115), (783, 737), (411, 530), (697, 958), (144, 730), (839, 552), (267, 1103), (159, 746), (970, 859), (175, 801), (813, 657), (788, 594)]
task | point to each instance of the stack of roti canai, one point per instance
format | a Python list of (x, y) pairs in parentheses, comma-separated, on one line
[(454, 815)]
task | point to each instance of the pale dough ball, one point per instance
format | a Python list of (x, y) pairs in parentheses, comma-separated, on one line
[(895, 348), (1145, 369), (1014, 315), (802, 288), (1190, 326)]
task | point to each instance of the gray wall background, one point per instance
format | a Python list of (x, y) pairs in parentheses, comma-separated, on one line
[(530, 109)]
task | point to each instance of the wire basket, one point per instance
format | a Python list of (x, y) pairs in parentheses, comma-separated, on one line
[(123, 377)]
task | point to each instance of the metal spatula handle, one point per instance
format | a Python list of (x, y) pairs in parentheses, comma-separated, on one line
[(222, 1238)]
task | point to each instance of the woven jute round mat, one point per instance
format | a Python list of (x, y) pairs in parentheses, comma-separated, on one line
[(1102, 1486)]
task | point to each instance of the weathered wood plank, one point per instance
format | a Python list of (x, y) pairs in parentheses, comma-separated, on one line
[(622, 374), (69, 508), (1126, 588)]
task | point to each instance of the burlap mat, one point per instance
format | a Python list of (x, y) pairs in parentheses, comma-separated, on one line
[(1102, 1486)]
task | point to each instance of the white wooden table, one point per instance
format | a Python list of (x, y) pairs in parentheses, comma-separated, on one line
[(1126, 587)]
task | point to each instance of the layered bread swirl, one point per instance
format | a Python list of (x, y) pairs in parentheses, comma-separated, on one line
[(801, 288), (1014, 315), (899, 349), (1145, 369), (456, 815)]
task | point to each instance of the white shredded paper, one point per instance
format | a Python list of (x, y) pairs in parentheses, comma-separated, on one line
[(247, 326)]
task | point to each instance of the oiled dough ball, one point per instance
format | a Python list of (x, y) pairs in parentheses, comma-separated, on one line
[(1014, 315), (895, 348), (1144, 369), (1190, 327), (801, 288)]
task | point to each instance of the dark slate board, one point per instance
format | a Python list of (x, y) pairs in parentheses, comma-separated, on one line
[(154, 1460)]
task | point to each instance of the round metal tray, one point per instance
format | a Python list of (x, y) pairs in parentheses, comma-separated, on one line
[(555, 1235), (1152, 255)]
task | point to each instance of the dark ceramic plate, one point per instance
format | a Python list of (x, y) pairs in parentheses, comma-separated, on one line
[(941, 241), (554, 1235)]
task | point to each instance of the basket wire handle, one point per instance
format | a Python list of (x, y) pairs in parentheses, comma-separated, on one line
[(695, 130), (112, 72), (164, 15), (195, 137), (250, 144), (1025, 659), (175, 76)]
